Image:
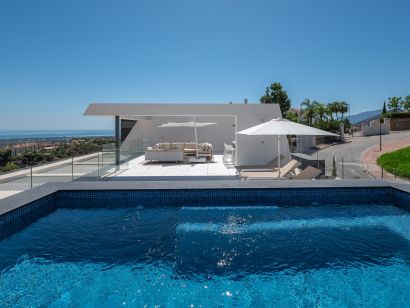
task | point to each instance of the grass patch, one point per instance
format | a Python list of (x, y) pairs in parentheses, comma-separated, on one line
[(397, 162)]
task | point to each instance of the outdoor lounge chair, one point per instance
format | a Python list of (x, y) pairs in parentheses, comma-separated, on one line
[(271, 174), (309, 173)]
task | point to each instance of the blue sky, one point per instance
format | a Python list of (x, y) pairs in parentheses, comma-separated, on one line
[(58, 56)]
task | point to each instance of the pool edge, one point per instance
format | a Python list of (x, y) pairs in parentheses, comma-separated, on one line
[(14, 202)]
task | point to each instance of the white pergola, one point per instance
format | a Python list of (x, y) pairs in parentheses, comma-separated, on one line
[(193, 124), (242, 115)]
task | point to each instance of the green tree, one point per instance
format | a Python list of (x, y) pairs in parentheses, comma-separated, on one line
[(334, 109), (32, 158), (321, 111), (329, 112), (5, 156), (275, 94), (394, 103), (292, 116), (308, 108), (384, 108), (9, 167), (343, 107), (406, 103)]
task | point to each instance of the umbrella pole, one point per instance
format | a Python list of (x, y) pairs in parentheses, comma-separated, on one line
[(278, 157), (196, 137)]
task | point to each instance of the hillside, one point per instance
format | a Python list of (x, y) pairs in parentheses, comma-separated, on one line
[(367, 120), (365, 116)]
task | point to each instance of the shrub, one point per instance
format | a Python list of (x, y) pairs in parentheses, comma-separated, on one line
[(5, 156), (9, 167), (400, 115)]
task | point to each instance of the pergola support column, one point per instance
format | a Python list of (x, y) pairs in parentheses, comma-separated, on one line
[(117, 141)]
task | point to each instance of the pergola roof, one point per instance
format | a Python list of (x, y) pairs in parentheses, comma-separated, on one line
[(153, 109)]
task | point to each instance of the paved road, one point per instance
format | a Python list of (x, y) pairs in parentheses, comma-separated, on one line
[(351, 153)]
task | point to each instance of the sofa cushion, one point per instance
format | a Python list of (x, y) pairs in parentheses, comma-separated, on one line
[(190, 145)]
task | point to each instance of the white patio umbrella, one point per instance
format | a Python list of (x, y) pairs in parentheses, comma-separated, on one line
[(193, 124), (282, 127)]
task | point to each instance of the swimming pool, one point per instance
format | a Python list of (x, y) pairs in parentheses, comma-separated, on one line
[(233, 247)]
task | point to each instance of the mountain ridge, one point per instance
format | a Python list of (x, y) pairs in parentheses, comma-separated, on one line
[(364, 116)]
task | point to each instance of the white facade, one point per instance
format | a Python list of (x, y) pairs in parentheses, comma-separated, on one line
[(374, 128), (230, 118)]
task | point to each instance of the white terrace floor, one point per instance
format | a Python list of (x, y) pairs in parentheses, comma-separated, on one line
[(216, 167)]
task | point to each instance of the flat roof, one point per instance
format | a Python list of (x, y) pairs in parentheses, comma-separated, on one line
[(161, 109)]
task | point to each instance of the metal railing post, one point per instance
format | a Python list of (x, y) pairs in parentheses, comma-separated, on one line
[(343, 169), (72, 168), (31, 176), (382, 171), (98, 166)]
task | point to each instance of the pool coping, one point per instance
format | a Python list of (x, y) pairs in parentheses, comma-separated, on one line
[(16, 201)]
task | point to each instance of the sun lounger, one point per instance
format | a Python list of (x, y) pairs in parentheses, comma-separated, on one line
[(270, 166), (271, 174), (309, 173)]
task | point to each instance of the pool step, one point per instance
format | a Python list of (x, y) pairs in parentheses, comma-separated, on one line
[(284, 216), (398, 224)]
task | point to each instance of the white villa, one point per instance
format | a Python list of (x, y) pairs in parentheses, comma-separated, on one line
[(138, 128)]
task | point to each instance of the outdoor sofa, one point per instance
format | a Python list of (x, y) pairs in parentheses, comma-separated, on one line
[(176, 152)]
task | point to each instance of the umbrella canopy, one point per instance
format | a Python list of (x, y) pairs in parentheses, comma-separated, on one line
[(193, 124), (281, 126), (278, 127)]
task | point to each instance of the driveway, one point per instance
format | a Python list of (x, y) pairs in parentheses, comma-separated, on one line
[(351, 153)]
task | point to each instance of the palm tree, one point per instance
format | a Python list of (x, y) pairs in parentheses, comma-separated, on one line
[(321, 111), (343, 108), (308, 108), (334, 109), (329, 111)]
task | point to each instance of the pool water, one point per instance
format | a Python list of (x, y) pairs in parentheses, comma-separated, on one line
[(252, 256)]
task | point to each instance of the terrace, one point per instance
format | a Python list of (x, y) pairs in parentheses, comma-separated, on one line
[(139, 167)]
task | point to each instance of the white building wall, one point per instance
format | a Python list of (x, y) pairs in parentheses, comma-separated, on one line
[(374, 128), (261, 150)]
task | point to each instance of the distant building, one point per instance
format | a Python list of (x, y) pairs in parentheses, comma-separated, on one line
[(375, 128), (21, 148)]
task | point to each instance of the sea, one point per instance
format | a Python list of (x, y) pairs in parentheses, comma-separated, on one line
[(49, 134)]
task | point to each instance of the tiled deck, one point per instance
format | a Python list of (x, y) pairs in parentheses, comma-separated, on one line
[(139, 167)]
